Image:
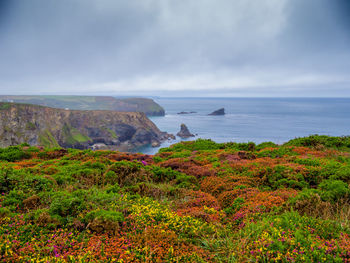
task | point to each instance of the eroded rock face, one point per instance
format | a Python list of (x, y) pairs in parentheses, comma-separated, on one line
[(218, 112), (49, 127), (184, 132)]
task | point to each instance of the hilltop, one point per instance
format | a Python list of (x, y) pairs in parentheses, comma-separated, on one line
[(147, 106), (196, 201), (49, 127)]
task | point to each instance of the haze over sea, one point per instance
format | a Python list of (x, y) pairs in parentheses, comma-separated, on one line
[(254, 119)]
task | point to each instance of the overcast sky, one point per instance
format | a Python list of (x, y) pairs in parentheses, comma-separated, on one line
[(175, 47)]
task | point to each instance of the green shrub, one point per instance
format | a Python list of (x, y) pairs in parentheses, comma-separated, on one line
[(4, 211), (305, 194), (249, 146), (13, 153), (197, 145), (186, 181), (157, 159), (97, 197), (236, 205), (308, 161), (64, 179), (65, 206), (161, 174), (332, 190), (38, 183), (265, 145), (343, 173), (111, 177), (129, 173), (9, 179), (104, 215), (14, 199), (113, 189), (340, 143), (276, 152), (181, 154), (281, 176)]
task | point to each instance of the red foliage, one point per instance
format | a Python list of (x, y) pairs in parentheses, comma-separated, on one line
[(122, 156), (190, 167)]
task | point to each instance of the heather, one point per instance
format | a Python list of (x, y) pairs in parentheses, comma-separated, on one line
[(197, 201)]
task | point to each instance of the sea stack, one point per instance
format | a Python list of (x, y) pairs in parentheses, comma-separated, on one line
[(218, 112), (184, 132)]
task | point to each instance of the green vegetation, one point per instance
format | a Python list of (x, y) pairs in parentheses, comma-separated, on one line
[(197, 201), (339, 143), (5, 106), (73, 136), (46, 139)]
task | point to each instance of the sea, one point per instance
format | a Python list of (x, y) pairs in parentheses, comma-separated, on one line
[(253, 119)]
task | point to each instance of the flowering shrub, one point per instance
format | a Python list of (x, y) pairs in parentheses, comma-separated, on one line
[(146, 212), (292, 237), (197, 201)]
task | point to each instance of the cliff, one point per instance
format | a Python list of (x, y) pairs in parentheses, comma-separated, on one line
[(49, 127), (148, 106)]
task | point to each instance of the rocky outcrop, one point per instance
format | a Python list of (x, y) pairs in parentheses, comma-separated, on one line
[(218, 112), (49, 127), (184, 132), (148, 106)]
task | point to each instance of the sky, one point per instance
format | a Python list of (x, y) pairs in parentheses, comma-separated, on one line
[(219, 48)]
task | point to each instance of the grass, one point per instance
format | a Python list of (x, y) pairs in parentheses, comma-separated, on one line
[(46, 139), (73, 136)]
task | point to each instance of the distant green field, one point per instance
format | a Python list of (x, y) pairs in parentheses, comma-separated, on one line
[(145, 105)]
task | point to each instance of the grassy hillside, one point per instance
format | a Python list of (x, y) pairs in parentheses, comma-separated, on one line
[(197, 201), (145, 105)]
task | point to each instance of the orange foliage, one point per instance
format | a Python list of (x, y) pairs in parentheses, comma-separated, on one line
[(216, 185), (200, 205)]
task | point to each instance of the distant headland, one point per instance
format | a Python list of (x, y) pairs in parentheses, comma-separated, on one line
[(145, 105)]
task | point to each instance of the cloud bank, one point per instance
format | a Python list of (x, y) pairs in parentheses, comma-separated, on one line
[(175, 48)]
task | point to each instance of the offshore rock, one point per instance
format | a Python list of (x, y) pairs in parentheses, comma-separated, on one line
[(184, 132), (218, 112), (186, 112), (49, 127)]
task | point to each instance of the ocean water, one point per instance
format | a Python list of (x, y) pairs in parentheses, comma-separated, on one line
[(254, 119)]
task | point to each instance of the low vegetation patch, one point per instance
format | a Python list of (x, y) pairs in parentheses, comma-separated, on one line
[(197, 201)]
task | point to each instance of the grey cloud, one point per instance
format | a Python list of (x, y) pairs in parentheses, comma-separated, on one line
[(163, 46)]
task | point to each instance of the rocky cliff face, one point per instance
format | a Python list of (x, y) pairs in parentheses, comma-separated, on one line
[(49, 127)]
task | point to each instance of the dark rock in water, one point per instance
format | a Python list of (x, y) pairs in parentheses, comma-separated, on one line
[(186, 112), (184, 132), (218, 112)]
